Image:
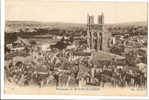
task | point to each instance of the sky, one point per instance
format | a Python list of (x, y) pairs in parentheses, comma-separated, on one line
[(74, 11)]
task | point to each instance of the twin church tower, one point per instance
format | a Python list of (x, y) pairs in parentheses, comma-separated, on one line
[(97, 37)]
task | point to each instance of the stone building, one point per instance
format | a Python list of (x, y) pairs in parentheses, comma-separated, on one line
[(97, 37)]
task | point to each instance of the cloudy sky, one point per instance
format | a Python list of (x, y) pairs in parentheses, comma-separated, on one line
[(74, 11)]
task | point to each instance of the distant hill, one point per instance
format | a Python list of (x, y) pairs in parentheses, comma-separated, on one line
[(44, 24), (143, 23), (12, 26), (16, 25)]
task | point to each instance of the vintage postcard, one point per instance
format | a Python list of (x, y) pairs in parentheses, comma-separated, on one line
[(87, 48)]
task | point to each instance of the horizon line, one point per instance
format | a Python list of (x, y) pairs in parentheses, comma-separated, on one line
[(74, 22)]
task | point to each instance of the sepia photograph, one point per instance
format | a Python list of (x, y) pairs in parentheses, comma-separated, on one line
[(87, 48)]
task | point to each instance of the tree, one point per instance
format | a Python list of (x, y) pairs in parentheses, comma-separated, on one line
[(33, 42)]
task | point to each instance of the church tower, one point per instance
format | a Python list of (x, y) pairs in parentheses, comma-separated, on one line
[(97, 38)]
